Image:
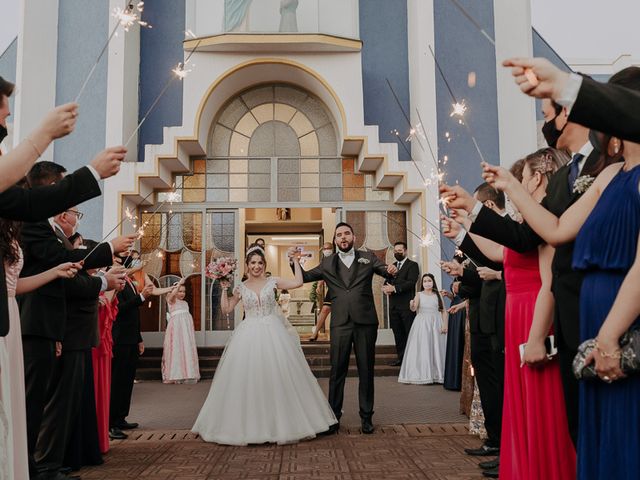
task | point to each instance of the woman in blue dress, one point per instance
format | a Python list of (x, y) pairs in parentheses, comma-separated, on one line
[(605, 223)]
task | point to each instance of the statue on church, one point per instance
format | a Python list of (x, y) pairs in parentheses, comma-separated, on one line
[(236, 15), (283, 214), (288, 19)]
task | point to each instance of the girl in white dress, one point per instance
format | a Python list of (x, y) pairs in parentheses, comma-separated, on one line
[(179, 353), (263, 390), (424, 356)]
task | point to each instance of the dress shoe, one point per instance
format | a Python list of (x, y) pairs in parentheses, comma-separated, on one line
[(490, 465), (367, 426), (117, 434), (397, 363), (127, 425), (483, 451), (331, 430), (493, 473)]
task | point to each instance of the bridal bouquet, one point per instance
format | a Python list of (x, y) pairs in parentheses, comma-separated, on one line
[(221, 268)]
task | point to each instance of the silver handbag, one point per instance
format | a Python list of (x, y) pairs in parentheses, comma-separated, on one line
[(629, 356)]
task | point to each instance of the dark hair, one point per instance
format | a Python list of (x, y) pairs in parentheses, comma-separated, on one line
[(6, 87), (404, 244), (284, 290), (556, 107), (258, 239), (43, 173), (629, 78), (434, 289), (9, 239), (487, 192), (342, 224), (517, 168)]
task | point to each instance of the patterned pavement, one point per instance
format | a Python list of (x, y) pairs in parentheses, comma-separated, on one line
[(419, 435)]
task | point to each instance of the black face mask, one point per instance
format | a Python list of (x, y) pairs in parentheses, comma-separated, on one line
[(399, 256), (551, 132), (3, 133)]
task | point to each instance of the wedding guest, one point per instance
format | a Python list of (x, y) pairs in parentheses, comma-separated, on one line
[(56, 124), (43, 311), (535, 435), (179, 352), (400, 290), (13, 441), (101, 355), (453, 363), (423, 360), (284, 299), (127, 347), (325, 311), (605, 222)]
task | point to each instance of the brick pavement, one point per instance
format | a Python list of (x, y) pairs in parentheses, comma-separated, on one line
[(433, 452)]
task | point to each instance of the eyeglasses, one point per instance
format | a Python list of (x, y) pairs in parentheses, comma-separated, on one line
[(78, 214)]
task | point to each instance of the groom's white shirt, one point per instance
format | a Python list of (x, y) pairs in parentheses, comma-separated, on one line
[(347, 257)]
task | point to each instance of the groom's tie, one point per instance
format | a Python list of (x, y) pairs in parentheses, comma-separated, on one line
[(574, 170)]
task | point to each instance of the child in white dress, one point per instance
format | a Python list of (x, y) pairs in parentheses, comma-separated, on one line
[(424, 356)]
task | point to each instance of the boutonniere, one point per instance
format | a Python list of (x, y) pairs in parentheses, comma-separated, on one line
[(364, 260), (582, 183)]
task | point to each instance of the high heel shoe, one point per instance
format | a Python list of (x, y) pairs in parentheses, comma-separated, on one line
[(314, 334)]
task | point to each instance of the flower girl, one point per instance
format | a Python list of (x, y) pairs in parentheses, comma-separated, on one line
[(424, 356), (180, 354)]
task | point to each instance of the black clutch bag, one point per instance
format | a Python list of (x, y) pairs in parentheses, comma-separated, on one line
[(629, 356)]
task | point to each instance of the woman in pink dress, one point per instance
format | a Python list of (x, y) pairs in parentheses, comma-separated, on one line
[(107, 311), (179, 354), (535, 440), (13, 413)]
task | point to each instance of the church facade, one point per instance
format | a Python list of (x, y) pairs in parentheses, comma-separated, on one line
[(292, 115)]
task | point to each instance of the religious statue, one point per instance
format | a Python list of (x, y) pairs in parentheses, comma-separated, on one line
[(283, 214), (236, 15), (288, 20)]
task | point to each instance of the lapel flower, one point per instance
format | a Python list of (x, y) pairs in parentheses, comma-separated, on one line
[(582, 183), (363, 260)]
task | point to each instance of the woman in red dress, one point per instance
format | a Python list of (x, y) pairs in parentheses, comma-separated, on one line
[(107, 311)]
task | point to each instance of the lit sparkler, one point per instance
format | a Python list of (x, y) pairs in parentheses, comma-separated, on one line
[(459, 109)]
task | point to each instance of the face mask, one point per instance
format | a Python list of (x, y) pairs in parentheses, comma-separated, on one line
[(399, 256), (327, 252), (135, 263), (3, 133), (551, 133), (76, 226)]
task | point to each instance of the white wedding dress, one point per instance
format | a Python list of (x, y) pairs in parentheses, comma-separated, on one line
[(263, 390)]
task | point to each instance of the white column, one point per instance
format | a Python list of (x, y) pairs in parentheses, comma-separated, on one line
[(122, 112), (36, 67), (516, 111), (422, 89)]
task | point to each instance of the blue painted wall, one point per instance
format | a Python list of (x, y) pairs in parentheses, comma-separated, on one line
[(460, 48), (383, 31), (160, 51), (81, 35), (542, 49), (8, 61)]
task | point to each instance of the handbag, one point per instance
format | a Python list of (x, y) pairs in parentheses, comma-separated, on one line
[(629, 356)]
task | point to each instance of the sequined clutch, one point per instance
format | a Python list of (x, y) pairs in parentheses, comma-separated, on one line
[(629, 356)]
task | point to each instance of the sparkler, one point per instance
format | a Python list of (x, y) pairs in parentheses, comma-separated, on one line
[(127, 17), (457, 106), (474, 22)]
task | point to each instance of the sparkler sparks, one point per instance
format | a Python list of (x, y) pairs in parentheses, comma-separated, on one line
[(130, 15), (459, 109)]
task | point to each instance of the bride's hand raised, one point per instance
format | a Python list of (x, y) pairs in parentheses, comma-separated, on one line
[(498, 177)]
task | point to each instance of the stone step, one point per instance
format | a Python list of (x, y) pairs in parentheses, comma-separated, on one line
[(154, 374)]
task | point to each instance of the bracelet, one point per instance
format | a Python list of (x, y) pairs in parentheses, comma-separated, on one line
[(615, 354), (33, 144)]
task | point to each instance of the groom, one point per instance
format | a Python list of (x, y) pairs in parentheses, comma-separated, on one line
[(354, 322)]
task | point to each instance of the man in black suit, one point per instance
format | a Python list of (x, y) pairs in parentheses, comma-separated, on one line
[(354, 322), (521, 238), (43, 311), (80, 335), (606, 108), (401, 289), (127, 347)]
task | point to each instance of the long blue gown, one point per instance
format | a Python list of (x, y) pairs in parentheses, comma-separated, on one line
[(609, 421)]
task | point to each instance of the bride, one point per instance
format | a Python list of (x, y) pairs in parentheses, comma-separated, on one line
[(263, 390)]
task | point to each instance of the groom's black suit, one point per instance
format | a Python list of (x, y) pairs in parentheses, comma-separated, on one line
[(353, 322), (400, 315), (566, 282)]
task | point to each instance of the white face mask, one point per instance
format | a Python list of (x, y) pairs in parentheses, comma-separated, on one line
[(327, 252), (135, 263)]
